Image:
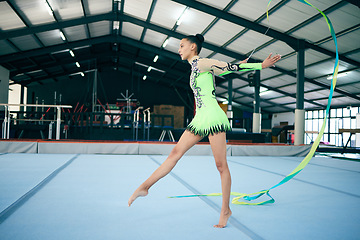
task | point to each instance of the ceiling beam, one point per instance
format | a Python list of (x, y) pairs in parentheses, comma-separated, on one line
[(293, 95), (55, 48), (178, 35), (245, 30), (85, 9), (236, 90), (252, 96), (355, 2), (291, 41), (202, 7), (249, 107), (122, 57), (306, 22), (53, 26), (109, 17), (151, 11), (135, 44), (92, 41), (230, 5), (124, 17), (239, 21), (100, 65), (325, 86), (315, 82), (24, 20), (17, 56)]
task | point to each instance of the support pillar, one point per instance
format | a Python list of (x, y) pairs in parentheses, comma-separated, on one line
[(256, 122), (94, 97), (299, 126), (4, 86), (256, 115), (300, 112), (22, 108), (230, 114), (357, 135), (58, 122)]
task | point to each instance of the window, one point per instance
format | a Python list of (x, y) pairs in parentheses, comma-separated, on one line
[(339, 118)]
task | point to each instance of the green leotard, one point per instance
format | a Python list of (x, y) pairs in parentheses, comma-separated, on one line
[(209, 117)]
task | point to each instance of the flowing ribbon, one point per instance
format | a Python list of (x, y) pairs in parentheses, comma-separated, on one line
[(306, 160)]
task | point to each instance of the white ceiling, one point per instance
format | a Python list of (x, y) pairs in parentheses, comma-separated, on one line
[(153, 20)]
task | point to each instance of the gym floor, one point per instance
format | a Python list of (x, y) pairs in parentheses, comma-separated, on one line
[(84, 196)]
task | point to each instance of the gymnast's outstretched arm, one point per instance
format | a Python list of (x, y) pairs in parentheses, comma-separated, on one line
[(222, 68)]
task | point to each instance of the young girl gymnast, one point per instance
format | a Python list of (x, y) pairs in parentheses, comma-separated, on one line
[(210, 120)]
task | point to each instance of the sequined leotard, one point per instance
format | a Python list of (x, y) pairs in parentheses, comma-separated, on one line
[(209, 117)]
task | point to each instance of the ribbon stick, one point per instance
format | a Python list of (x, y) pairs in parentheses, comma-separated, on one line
[(306, 160)]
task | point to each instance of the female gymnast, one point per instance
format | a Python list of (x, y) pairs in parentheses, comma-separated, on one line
[(210, 120)]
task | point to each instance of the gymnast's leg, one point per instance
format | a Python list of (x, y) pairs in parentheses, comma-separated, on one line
[(187, 140), (218, 146)]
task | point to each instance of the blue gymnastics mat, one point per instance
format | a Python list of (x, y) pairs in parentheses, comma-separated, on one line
[(80, 196)]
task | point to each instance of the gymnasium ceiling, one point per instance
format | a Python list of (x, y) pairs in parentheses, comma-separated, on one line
[(126, 36)]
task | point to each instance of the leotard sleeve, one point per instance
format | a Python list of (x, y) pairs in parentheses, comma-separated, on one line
[(220, 68)]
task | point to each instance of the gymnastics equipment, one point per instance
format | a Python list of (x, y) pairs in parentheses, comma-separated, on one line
[(167, 129), (129, 102), (136, 122), (147, 123), (7, 118)]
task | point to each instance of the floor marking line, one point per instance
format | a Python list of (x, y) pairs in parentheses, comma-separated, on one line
[(237, 224), (296, 179), (24, 198)]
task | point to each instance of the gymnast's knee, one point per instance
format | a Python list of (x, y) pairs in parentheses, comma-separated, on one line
[(176, 154), (221, 166)]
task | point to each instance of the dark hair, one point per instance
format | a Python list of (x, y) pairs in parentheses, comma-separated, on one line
[(198, 39)]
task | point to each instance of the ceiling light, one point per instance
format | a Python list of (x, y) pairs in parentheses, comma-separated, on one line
[(225, 102), (71, 53), (263, 91), (149, 68), (339, 75), (144, 77), (156, 58), (116, 25), (165, 43), (82, 74), (62, 36), (182, 16), (77, 64)]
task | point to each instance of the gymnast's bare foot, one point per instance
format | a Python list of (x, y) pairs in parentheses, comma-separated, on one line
[(224, 216), (140, 192)]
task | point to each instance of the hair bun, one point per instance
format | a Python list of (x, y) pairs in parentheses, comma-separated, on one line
[(200, 37)]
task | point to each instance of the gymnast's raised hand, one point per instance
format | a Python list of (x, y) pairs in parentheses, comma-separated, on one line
[(270, 61)]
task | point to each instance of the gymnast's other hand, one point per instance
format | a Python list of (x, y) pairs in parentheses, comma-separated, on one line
[(270, 61)]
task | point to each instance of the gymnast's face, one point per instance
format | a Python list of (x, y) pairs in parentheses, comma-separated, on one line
[(186, 49)]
